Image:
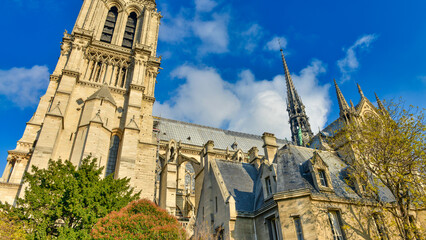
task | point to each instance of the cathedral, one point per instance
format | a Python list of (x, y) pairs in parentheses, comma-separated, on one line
[(233, 185)]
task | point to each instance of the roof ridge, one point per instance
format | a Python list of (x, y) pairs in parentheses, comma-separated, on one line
[(213, 128)]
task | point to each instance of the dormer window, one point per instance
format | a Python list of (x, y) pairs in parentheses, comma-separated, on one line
[(322, 178), (109, 26), (320, 173)]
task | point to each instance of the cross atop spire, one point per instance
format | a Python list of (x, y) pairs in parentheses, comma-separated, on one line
[(343, 105), (300, 128)]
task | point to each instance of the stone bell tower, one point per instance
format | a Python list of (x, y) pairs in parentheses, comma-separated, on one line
[(99, 100)]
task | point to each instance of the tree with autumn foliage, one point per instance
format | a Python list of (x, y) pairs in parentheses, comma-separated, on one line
[(390, 153), (65, 202), (141, 219), (11, 229)]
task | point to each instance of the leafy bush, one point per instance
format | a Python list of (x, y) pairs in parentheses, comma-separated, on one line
[(10, 229), (140, 219), (65, 202)]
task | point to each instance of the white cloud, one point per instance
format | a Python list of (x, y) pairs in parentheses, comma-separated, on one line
[(175, 30), (208, 32), (204, 98), (23, 86), (213, 34), (274, 44), (249, 105), (251, 37), (349, 63), (204, 5)]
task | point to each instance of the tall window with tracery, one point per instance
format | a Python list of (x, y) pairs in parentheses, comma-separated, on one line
[(129, 33), (109, 26), (112, 156), (189, 178)]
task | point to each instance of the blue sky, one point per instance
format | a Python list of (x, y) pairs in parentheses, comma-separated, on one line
[(221, 61)]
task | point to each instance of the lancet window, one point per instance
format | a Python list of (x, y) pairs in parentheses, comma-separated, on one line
[(189, 178), (112, 156), (129, 33), (109, 26)]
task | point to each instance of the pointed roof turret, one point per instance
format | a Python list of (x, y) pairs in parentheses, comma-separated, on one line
[(360, 91), (102, 93), (352, 104), (379, 103), (301, 132), (343, 105)]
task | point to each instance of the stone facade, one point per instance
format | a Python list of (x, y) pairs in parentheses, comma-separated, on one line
[(233, 185), (103, 86)]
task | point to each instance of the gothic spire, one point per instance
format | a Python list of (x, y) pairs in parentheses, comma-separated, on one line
[(300, 128), (291, 90), (360, 91), (379, 103), (343, 105)]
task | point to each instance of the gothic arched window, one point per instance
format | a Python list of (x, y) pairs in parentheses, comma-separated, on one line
[(189, 177), (109, 25), (112, 156), (129, 33)]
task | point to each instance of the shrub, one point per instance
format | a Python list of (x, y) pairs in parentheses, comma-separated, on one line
[(141, 219), (10, 229), (65, 202)]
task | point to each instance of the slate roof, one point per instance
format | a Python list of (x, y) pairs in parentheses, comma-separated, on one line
[(243, 181), (195, 134), (333, 128), (292, 171), (292, 175), (240, 179)]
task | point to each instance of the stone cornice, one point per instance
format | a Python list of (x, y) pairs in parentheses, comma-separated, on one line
[(83, 33), (99, 85), (137, 87), (19, 155), (54, 78), (10, 185), (143, 49), (155, 59), (149, 99), (111, 48), (34, 124), (291, 194), (71, 73)]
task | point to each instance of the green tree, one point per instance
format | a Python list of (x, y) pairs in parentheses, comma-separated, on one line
[(64, 201), (140, 219), (10, 229), (390, 152)]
